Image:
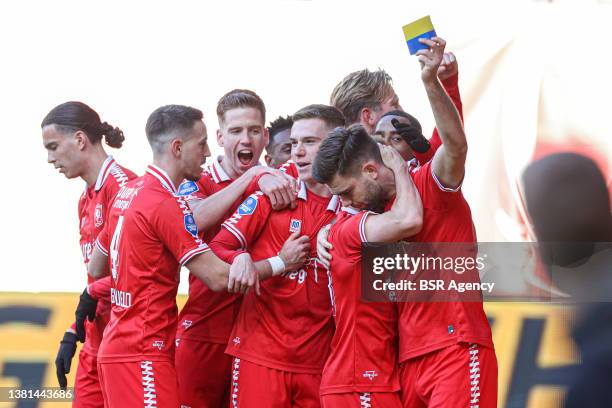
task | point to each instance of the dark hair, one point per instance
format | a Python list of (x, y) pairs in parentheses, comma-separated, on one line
[(414, 122), (240, 98), (343, 152), (73, 116), (169, 119), (279, 125), (331, 116)]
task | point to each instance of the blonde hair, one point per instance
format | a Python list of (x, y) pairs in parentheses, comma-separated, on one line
[(361, 89)]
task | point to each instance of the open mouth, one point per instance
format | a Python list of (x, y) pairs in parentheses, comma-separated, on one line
[(302, 165), (245, 157)]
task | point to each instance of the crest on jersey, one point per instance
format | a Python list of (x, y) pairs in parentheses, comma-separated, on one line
[(190, 225), (248, 206), (98, 217), (187, 188), (295, 226)]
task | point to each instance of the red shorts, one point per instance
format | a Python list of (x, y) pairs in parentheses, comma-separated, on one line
[(137, 384), (204, 372), (87, 391), (362, 400), (461, 375), (258, 386)]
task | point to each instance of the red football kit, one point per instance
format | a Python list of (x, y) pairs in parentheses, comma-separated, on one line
[(458, 330), (151, 233), (94, 207), (284, 333), (362, 365), (206, 320)]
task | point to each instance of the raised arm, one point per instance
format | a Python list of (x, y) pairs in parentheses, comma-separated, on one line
[(449, 161)]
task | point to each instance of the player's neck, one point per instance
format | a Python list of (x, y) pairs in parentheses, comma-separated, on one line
[(319, 189), (171, 168), (96, 159), (228, 168)]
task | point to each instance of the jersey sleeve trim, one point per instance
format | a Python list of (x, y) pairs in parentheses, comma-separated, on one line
[(101, 247), (442, 187), (190, 254), (362, 233), (236, 233)]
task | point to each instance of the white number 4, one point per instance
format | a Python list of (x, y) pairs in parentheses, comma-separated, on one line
[(114, 248)]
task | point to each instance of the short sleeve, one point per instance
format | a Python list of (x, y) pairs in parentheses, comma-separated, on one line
[(249, 219), (177, 229), (349, 232), (433, 194)]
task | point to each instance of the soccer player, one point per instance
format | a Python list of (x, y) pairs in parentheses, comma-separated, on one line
[(151, 233), (206, 320), (361, 370), (365, 97), (447, 358), (278, 150), (72, 134), (281, 338)]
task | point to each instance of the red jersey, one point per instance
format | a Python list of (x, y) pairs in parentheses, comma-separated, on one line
[(428, 326), (150, 235), (94, 207), (363, 354), (208, 316), (289, 326)]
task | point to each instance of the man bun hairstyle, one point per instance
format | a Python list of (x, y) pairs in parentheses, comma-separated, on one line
[(343, 152), (73, 116)]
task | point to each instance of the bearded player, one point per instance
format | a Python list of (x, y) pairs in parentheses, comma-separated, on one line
[(446, 352)]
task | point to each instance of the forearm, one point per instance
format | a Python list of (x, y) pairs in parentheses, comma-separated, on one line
[(448, 121), (97, 267), (407, 210), (210, 211)]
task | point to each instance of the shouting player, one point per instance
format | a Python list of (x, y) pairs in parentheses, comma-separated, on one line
[(151, 233), (446, 354), (362, 368), (72, 134), (206, 320), (281, 338)]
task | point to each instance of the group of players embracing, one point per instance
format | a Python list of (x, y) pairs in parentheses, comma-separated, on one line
[(274, 316)]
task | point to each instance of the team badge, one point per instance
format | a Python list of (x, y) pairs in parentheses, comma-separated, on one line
[(190, 225), (248, 206), (295, 226), (98, 218), (187, 188)]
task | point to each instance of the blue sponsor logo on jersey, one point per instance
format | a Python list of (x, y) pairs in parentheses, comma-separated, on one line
[(187, 187), (295, 226), (190, 225), (248, 206)]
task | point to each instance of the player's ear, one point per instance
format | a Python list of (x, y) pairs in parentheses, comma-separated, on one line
[(366, 115), (266, 136), (268, 159), (176, 147), (370, 169), (219, 137), (80, 138)]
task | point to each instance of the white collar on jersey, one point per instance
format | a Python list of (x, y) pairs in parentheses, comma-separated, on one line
[(161, 175), (303, 195), (350, 210), (105, 170), (216, 171)]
